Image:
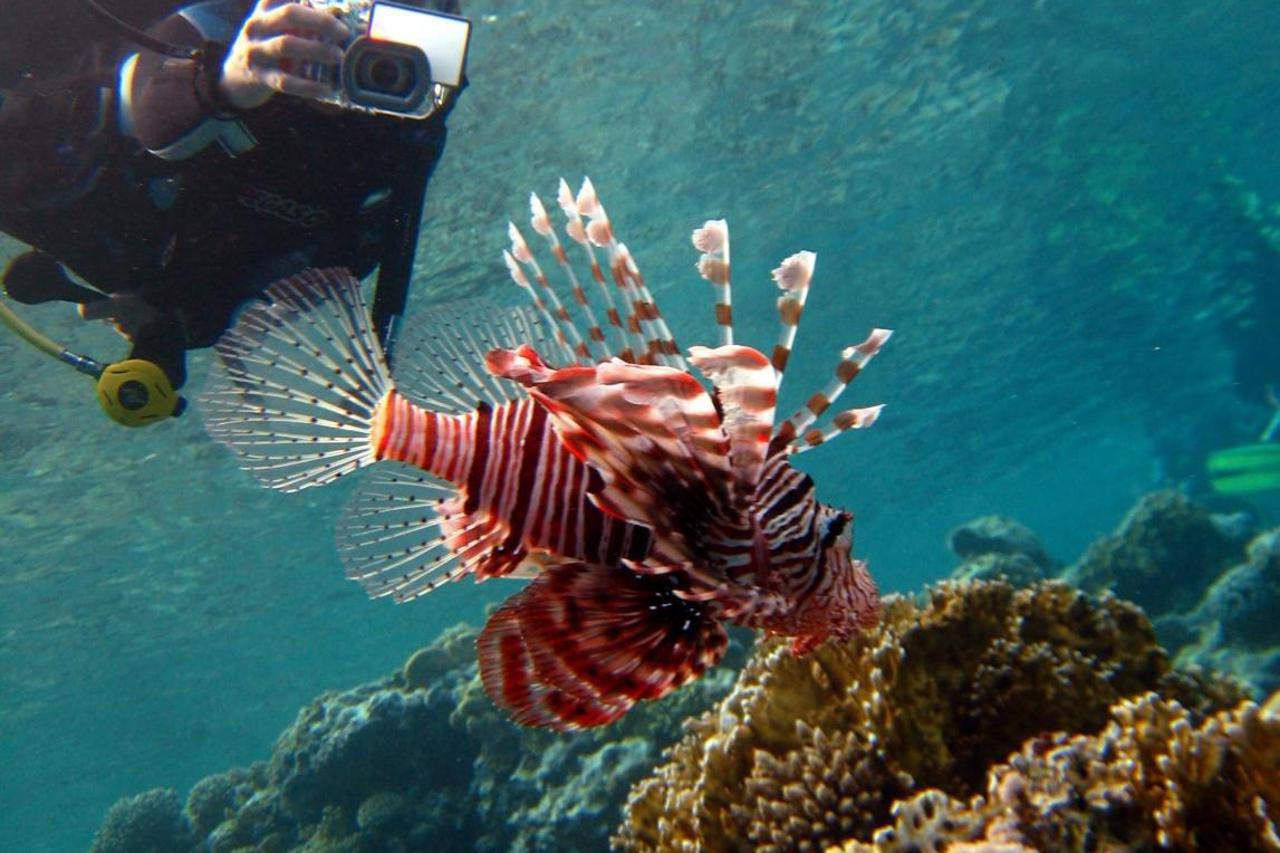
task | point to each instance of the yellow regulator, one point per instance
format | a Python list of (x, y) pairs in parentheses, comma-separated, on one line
[(136, 392)]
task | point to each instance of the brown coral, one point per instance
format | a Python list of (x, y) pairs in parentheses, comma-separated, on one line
[(834, 786), (1152, 778), (931, 698)]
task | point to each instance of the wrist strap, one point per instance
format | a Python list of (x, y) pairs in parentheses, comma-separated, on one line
[(206, 79)]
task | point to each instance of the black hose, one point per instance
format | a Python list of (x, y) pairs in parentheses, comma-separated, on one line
[(139, 37)]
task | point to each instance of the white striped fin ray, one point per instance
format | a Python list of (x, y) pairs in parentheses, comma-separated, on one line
[(440, 359), (642, 335), (390, 536), (296, 380)]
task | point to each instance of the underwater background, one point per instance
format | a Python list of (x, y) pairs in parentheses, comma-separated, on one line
[(1068, 211)]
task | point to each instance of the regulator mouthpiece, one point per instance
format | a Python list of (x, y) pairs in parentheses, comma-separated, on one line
[(136, 392)]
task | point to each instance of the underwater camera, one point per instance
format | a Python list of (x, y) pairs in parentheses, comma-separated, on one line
[(402, 60)]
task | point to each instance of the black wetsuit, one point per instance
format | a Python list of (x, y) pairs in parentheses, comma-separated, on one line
[(162, 189)]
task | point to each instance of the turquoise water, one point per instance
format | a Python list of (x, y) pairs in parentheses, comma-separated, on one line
[(1047, 200)]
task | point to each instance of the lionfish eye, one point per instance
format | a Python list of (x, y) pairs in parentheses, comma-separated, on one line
[(837, 525)]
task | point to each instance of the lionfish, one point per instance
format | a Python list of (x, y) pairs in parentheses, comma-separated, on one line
[(644, 511)]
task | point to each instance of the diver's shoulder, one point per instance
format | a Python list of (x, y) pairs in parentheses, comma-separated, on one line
[(215, 20)]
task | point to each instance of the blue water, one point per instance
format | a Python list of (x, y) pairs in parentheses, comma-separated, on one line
[(1034, 195)]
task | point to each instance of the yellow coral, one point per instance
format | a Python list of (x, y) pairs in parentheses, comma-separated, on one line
[(1152, 778), (936, 693)]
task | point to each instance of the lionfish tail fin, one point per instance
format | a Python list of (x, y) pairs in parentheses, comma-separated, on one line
[(583, 643), (297, 382)]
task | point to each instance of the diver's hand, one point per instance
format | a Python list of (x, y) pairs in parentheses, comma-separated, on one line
[(277, 35), (128, 312)]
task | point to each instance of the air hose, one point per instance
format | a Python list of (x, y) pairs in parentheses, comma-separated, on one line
[(24, 330), (134, 392)]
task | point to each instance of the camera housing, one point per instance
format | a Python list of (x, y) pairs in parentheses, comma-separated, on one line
[(401, 60)]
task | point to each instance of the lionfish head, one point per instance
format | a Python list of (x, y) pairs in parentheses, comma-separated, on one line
[(845, 600)]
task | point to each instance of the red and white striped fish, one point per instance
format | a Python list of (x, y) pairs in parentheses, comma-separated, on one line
[(644, 511)]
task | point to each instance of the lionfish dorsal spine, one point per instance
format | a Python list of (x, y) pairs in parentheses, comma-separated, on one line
[(852, 360), (792, 277), (747, 391), (659, 345), (567, 334), (541, 224), (626, 326), (858, 418), (712, 240)]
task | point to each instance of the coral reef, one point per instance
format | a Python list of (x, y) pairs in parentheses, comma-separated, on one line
[(1209, 582), (817, 751), (996, 540), (1154, 778), (1234, 629), (417, 761), (151, 822), (1002, 716), (1164, 554), (996, 546)]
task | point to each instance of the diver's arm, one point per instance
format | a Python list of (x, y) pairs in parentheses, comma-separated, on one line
[(171, 105), (179, 107)]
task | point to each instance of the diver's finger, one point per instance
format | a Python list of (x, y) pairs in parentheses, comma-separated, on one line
[(294, 17), (295, 47), (291, 84), (256, 21)]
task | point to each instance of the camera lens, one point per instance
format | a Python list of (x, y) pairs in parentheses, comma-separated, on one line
[(387, 75)]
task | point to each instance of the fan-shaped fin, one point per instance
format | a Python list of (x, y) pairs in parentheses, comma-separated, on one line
[(405, 533), (582, 643), (297, 380), (440, 359)]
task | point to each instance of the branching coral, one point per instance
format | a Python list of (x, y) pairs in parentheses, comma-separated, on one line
[(833, 786), (1152, 778), (931, 698), (151, 822)]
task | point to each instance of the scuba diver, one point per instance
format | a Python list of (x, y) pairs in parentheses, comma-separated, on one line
[(1250, 468), (179, 170), (1250, 331)]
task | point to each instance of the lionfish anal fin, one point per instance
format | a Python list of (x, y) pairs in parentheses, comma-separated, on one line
[(404, 533), (583, 643)]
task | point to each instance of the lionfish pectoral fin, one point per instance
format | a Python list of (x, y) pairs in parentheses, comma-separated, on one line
[(583, 643), (651, 432), (747, 388), (404, 533)]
